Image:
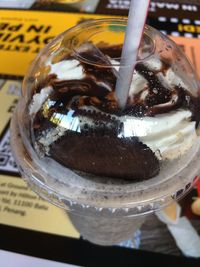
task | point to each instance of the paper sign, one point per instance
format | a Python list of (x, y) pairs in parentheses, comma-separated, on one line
[(24, 33), (21, 207)]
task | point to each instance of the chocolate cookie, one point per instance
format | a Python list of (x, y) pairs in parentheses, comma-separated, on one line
[(109, 156)]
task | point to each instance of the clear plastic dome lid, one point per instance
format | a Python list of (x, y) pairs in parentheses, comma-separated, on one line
[(70, 115)]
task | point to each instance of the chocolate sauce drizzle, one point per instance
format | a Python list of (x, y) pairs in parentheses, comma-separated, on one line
[(93, 91)]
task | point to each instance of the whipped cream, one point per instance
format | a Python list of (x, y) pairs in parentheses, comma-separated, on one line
[(49, 137), (68, 70), (169, 77), (39, 99), (168, 135)]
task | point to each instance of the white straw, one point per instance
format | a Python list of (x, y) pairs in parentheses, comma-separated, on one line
[(137, 17)]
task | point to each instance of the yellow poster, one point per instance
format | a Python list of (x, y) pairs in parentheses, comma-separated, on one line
[(21, 207), (9, 94), (24, 33)]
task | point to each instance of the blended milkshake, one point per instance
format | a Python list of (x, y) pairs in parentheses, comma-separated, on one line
[(108, 166)]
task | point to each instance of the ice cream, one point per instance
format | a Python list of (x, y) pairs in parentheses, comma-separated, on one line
[(77, 121)]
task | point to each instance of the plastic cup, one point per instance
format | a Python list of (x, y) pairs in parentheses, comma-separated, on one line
[(105, 210)]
